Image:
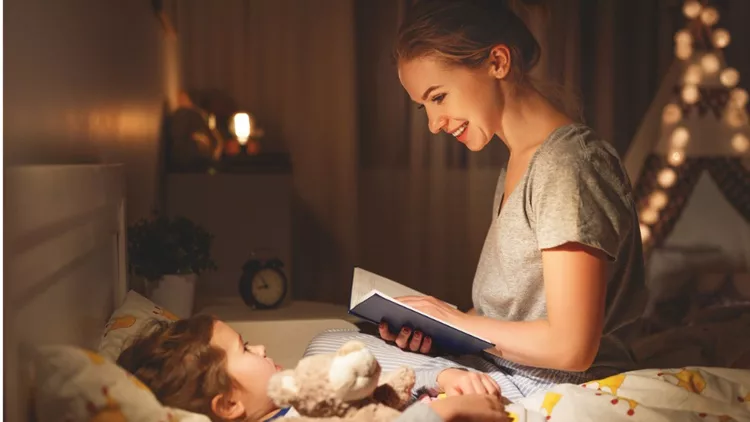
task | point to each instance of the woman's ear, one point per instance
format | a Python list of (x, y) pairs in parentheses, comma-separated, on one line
[(227, 407), (499, 61)]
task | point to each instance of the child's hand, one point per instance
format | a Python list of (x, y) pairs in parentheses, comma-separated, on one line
[(457, 382), (471, 407)]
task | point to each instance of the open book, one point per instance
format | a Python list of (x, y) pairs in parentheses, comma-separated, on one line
[(373, 300)]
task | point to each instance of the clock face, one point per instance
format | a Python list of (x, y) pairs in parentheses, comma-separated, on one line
[(268, 287)]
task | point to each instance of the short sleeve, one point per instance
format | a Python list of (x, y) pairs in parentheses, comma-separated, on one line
[(578, 192)]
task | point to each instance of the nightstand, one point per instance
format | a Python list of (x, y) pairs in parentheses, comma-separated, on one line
[(285, 331)]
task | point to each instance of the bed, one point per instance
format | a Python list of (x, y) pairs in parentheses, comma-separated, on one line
[(66, 273)]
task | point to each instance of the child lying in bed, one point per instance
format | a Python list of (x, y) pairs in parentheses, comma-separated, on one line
[(202, 365)]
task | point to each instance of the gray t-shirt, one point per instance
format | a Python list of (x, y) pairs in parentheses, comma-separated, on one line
[(575, 189)]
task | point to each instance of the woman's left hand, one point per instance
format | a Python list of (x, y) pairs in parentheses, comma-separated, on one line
[(417, 341)]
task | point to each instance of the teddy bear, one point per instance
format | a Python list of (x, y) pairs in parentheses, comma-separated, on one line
[(343, 386)]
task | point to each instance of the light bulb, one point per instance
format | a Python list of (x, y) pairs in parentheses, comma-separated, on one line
[(645, 233), (693, 74), (691, 9), (690, 94), (649, 216), (721, 38), (671, 114), (658, 200), (666, 178), (683, 51), (740, 143), (710, 63), (676, 158), (241, 127), (710, 16), (212, 121), (738, 96), (729, 77), (680, 137), (683, 37)]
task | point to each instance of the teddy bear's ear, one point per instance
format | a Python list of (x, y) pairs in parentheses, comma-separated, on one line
[(282, 388)]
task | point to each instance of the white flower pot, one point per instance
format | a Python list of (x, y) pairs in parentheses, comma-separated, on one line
[(175, 293)]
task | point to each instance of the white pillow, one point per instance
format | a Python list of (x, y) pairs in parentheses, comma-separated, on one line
[(74, 384), (128, 321)]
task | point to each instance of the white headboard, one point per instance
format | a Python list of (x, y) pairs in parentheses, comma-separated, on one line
[(65, 262)]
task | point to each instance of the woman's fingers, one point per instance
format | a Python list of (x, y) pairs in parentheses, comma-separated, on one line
[(416, 341), (405, 339), (385, 332), (426, 345)]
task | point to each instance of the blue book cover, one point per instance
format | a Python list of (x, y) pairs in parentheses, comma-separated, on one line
[(373, 300)]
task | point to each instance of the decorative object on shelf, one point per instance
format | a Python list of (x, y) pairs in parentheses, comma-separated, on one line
[(247, 132), (170, 254), (193, 139), (263, 284)]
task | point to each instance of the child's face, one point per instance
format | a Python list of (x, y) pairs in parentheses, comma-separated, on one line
[(249, 367)]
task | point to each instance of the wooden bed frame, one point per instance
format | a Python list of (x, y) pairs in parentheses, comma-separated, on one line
[(65, 263)]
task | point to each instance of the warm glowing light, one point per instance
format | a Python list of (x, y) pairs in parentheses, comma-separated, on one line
[(738, 96), (692, 9), (710, 16), (676, 158), (683, 37), (666, 178), (241, 127), (729, 77), (693, 74), (671, 114), (710, 63), (683, 51), (721, 38), (690, 94), (740, 143), (680, 137), (658, 200), (645, 233), (212, 121), (649, 216)]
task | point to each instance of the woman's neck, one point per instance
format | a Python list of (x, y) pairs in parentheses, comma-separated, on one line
[(528, 119)]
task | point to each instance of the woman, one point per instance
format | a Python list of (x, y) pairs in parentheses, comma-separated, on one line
[(559, 284), (202, 365)]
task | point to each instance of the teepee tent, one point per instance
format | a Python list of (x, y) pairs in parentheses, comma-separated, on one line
[(690, 159)]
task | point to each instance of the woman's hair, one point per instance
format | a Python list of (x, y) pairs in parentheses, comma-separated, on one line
[(178, 363), (463, 32)]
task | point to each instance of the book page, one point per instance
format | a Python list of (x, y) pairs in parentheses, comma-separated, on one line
[(364, 282)]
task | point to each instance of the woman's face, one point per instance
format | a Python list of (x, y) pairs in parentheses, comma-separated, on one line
[(461, 101), (249, 366)]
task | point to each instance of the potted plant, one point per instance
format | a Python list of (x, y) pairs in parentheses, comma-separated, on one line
[(170, 254)]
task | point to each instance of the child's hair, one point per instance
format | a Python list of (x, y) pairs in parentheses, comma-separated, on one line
[(178, 363), (463, 33)]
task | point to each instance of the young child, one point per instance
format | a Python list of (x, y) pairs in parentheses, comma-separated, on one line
[(202, 365)]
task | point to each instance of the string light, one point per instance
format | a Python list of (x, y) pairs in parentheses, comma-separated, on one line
[(710, 63), (690, 94), (666, 178), (740, 143), (721, 38), (710, 16), (658, 200), (676, 158), (738, 96), (691, 9), (729, 77), (645, 233), (680, 137), (683, 37), (671, 114), (683, 51), (649, 216)]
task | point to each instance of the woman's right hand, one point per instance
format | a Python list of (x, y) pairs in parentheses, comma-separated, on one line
[(406, 340), (471, 407)]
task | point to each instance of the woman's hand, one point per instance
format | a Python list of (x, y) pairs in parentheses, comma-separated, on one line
[(473, 407), (416, 341), (456, 382)]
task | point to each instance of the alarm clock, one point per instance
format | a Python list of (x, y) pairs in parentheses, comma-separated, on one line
[(263, 285)]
